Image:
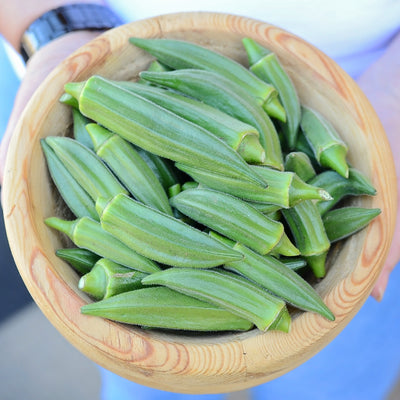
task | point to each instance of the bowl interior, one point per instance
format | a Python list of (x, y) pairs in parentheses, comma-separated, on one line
[(195, 363)]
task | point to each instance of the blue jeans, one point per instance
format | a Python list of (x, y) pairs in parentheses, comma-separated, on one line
[(361, 363)]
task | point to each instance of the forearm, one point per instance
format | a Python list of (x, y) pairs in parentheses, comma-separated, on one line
[(17, 15)]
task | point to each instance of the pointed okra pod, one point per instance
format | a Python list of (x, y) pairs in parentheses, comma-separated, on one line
[(179, 54), (328, 148), (242, 137), (344, 222), (161, 307), (265, 64), (88, 234), (75, 196), (339, 187), (216, 91), (279, 280), (129, 167), (307, 228), (133, 118), (161, 237), (108, 278), (233, 218), (85, 167), (231, 292), (299, 163), (80, 132), (81, 260)]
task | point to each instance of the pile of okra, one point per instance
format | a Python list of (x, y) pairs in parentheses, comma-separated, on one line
[(203, 194)]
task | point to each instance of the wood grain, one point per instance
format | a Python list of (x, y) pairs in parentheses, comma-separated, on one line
[(190, 364)]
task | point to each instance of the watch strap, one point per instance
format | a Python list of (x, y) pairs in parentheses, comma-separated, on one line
[(65, 19)]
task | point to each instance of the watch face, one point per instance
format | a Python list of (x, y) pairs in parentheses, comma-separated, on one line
[(65, 19)]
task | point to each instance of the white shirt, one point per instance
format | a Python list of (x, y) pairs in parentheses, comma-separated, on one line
[(353, 32)]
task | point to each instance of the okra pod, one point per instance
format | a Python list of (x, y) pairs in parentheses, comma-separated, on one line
[(266, 65), (75, 197), (233, 293), (329, 149), (231, 217), (155, 65), (161, 237), (161, 307), (307, 228), (80, 132), (345, 221), (133, 118), (85, 167), (81, 260), (129, 167), (299, 163), (339, 187), (69, 100), (279, 280), (107, 279), (179, 54), (242, 137), (218, 92), (88, 234)]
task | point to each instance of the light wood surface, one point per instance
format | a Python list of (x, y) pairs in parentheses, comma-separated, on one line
[(190, 364)]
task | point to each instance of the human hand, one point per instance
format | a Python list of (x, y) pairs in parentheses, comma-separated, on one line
[(39, 66), (380, 83)]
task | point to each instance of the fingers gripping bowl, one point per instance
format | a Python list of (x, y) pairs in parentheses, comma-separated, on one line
[(195, 363)]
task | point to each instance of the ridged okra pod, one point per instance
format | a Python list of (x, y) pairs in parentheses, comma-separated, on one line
[(305, 223), (231, 292), (233, 218), (339, 187), (74, 195), (161, 307), (242, 137), (280, 280), (161, 237), (266, 65), (81, 260), (85, 167), (230, 98), (299, 163), (80, 132), (108, 278), (179, 54), (329, 149), (345, 221), (88, 234), (133, 118), (129, 167)]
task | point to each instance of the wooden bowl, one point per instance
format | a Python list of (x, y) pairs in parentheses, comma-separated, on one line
[(193, 363)]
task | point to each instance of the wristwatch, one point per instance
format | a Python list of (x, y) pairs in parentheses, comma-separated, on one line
[(65, 19)]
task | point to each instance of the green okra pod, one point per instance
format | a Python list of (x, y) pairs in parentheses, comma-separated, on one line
[(88, 234), (218, 92), (75, 197), (280, 280), (161, 307), (266, 65), (155, 65), (129, 167), (299, 163), (345, 221), (85, 167), (339, 187), (107, 279), (179, 54), (231, 217), (81, 260), (231, 292), (242, 137), (307, 228), (69, 100), (133, 118), (80, 132), (294, 263), (329, 149), (161, 237)]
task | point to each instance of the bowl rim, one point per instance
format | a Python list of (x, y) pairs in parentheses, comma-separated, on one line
[(169, 361)]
